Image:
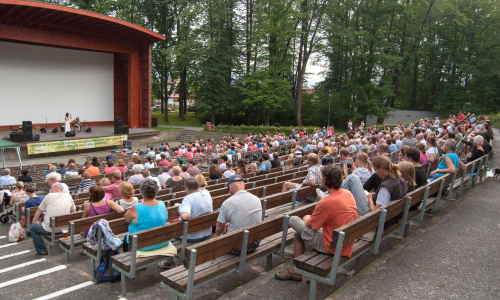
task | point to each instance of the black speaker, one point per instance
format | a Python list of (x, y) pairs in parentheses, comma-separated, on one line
[(125, 129), (88, 130), (20, 137), (118, 125), (36, 138), (128, 143), (27, 127), (69, 134), (55, 130)]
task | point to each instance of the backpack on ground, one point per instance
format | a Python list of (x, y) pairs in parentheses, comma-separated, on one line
[(105, 272)]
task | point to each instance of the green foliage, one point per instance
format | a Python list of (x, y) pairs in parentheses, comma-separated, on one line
[(241, 62), (495, 120), (243, 129)]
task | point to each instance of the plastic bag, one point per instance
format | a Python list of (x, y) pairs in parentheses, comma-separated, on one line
[(16, 232)]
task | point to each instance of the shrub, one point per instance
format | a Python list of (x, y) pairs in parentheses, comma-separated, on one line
[(243, 129), (495, 120)]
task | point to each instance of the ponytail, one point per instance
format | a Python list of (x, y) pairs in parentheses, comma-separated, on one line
[(384, 162)]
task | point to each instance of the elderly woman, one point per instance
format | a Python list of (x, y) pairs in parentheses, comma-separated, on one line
[(176, 180), (18, 194), (150, 213), (477, 149)]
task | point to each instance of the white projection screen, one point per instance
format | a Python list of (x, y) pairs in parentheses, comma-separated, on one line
[(39, 82)]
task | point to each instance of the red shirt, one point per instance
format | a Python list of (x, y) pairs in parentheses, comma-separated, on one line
[(163, 163), (332, 212), (108, 170), (461, 117), (93, 170)]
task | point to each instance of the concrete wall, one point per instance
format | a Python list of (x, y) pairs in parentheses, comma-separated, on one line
[(404, 116)]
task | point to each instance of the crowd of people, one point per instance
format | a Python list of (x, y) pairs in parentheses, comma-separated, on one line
[(358, 184)]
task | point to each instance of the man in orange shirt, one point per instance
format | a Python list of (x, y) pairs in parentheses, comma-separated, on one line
[(91, 169), (315, 231)]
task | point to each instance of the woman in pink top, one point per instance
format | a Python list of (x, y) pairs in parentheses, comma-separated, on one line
[(98, 205), (110, 168), (122, 167), (189, 154)]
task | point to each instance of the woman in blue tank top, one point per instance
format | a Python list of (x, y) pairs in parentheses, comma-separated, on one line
[(450, 162), (146, 215)]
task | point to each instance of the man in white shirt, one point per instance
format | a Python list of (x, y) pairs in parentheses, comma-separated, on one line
[(163, 177), (137, 177), (54, 204), (6, 179), (53, 172), (53, 179), (147, 174)]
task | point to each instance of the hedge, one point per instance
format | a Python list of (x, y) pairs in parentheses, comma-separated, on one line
[(243, 129), (495, 120)]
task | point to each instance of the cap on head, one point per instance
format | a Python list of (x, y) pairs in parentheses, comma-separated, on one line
[(234, 178)]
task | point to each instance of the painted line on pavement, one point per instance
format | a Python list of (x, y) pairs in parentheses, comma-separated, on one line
[(8, 245), (2, 237), (14, 254), (22, 265), (31, 276), (65, 291)]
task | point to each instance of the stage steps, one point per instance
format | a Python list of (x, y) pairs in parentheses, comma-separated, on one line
[(186, 137)]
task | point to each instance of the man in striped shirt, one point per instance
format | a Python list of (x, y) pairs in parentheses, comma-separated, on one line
[(86, 183)]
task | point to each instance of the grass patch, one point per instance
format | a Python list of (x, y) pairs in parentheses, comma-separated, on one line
[(173, 119), (166, 128)]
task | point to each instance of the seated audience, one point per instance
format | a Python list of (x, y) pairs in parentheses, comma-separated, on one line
[(122, 167), (62, 169), (150, 213), (110, 167), (423, 156), (253, 168), (127, 193), (87, 182), (242, 168), (33, 201), (150, 164), (229, 170), (137, 177), (407, 171), (192, 168), (72, 172), (146, 174), (214, 172), (53, 180), (313, 175), (412, 155), (114, 188), (24, 178), (450, 162), (19, 195), (54, 204), (240, 210), (315, 231), (392, 187), (265, 165), (53, 173), (176, 180), (163, 177)]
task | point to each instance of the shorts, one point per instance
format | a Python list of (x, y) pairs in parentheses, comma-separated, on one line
[(312, 238), (297, 186)]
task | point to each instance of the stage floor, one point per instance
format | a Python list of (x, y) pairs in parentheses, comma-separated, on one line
[(97, 131)]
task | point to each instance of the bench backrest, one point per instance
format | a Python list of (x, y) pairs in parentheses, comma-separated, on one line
[(219, 246), (356, 229)]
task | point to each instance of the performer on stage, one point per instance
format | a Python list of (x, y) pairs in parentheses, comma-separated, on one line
[(76, 124), (67, 122)]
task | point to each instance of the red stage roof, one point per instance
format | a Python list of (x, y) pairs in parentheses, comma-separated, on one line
[(66, 20)]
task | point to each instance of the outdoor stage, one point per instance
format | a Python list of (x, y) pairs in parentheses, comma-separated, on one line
[(97, 132)]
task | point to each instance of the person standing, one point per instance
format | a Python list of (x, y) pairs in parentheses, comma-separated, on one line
[(67, 122)]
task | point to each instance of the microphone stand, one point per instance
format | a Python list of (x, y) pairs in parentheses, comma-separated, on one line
[(60, 131)]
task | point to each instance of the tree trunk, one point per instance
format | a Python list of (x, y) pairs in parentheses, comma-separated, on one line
[(182, 94), (268, 115), (213, 118), (413, 103)]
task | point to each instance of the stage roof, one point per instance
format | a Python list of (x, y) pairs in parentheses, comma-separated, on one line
[(66, 20)]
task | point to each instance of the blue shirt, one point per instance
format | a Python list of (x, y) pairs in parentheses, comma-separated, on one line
[(197, 204), (7, 180), (282, 142), (308, 147), (264, 166), (32, 202), (149, 217), (442, 164), (392, 148)]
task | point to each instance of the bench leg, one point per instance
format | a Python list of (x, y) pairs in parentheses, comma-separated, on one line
[(67, 257), (357, 264), (92, 267), (269, 262), (312, 290), (124, 284)]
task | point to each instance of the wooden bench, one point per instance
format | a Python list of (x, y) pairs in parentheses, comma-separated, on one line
[(56, 226), (75, 240), (209, 260)]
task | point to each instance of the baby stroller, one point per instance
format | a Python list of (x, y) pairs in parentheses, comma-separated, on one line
[(4, 203)]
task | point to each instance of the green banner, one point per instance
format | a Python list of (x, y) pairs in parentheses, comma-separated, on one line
[(70, 145)]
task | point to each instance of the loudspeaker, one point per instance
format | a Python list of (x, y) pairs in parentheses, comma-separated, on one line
[(69, 134), (118, 125), (36, 138), (55, 130), (20, 137), (43, 130), (27, 127), (88, 130), (128, 143), (125, 129)]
